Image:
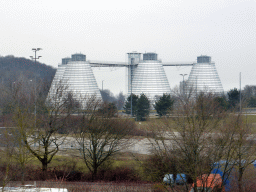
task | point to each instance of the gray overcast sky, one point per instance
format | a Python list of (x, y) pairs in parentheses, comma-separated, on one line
[(178, 30)]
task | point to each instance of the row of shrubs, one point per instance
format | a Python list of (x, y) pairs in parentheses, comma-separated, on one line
[(74, 122), (66, 173), (152, 169)]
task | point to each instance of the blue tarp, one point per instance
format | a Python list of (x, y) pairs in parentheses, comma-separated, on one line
[(219, 169), (254, 163)]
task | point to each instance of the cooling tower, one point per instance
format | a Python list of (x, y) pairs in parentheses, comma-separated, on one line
[(150, 78), (77, 77), (57, 79), (204, 77)]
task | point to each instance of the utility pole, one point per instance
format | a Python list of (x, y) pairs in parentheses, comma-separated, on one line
[(240, 95), (131, 88), (133, 60), (35, 58), (196, 87), (183, 75)]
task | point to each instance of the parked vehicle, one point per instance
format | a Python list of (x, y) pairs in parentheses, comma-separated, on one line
[(181, 179), (208, 183)]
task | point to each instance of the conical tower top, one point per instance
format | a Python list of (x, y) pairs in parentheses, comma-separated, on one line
[(204, 77), (150, 78)]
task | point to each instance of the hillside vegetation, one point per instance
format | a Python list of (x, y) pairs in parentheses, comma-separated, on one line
[(13, 69)]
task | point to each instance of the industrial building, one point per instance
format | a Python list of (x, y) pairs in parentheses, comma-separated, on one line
[(75, 75), (145, 75), (204, 77)]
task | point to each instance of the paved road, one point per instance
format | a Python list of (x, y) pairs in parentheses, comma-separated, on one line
[(141, 146), (138, 145)]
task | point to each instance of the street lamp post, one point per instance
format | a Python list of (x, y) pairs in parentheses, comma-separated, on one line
[(30, 83), (13, 84), (131, 84), (240, 96), (102, 85), (35, 58), (183, 75)]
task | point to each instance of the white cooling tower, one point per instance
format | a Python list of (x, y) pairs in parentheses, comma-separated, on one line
[(56, 80), (150, 78), (204, 77), (77, 77)]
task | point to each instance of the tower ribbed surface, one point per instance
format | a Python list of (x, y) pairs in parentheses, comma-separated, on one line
[(79, 79), (150, 79), (204, 77), (56, 80)]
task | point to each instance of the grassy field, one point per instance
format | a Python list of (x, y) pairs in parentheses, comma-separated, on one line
[(250, 118), (70, 157), (71, 160)]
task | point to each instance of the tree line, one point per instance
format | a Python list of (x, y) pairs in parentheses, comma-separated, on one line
[(200, 134), (140, 106)]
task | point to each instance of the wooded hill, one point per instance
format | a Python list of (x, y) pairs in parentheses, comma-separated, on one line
[(13, 69)]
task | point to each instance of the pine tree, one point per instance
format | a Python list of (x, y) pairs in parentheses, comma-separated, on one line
[(233, 97), (127, 106), (163, 105), (143, 108)]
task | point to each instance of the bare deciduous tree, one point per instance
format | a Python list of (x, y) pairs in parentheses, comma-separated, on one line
[(21, 154), (100, 136), (20, 121), (40, 136), (244, 146), (8, 150), (192, 136)]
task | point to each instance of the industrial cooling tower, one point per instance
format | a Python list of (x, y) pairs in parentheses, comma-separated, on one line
[(58, 77), (150, 78), (76, 76), (204, 77)]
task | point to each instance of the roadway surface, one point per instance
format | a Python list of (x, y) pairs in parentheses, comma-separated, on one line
[(141, 146)]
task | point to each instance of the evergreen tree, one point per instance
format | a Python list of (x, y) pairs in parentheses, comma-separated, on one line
[(233, 97), (164, 104), (252, 102), (143, 108), (127, 106), (222, 101), (108, 110), (249, 95)]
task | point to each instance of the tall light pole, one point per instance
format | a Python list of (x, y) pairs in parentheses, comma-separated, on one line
[(183, 75), (240, 95), (13, 84), (196, 87), (30, 83), (102, 85), (35, 58), (131, 83)]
